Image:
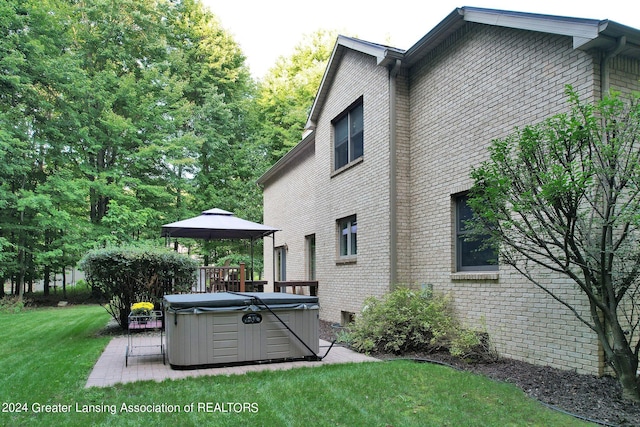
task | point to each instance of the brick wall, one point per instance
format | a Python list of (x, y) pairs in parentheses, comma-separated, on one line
[(477, 87), (289, 205), (361, 190), (309, 198)]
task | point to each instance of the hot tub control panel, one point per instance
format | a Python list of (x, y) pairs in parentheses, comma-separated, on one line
[(251, 318)]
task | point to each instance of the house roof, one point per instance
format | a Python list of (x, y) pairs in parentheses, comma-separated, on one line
[(384, 55), (587, 34), (298, 149)]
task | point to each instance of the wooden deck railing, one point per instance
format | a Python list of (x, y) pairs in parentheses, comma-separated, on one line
[(233, 278), (311, 284), (227, 278)]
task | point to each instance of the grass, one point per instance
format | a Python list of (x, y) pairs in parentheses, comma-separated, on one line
[(46, 356)]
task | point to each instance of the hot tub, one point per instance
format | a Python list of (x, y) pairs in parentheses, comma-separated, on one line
[(225, 329)]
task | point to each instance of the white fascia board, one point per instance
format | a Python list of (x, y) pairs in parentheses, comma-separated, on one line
[(573, 27)]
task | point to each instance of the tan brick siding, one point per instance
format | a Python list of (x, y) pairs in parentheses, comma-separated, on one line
[(486, 82), (477, 86), (311, 198), (362, 190), (289, 205)]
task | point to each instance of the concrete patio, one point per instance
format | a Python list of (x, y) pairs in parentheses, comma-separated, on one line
[(110, 368)]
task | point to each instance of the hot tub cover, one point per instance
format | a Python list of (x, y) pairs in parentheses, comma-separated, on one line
[(231, 301)]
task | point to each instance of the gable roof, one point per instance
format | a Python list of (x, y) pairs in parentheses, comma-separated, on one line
[(587, 34), (384, 55)]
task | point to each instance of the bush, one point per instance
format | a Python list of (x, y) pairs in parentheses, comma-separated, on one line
[(122, 276), (11, 304), (407, 320)]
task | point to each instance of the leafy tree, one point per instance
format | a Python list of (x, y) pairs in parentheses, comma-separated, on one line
[(287, 92), (125, 99), (109, 114), (564, 196), (34, 64)]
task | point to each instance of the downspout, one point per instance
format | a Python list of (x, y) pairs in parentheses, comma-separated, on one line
[(604, 66), (393, 185), (604, 91)]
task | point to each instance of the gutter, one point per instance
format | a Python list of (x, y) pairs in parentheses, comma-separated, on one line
[(393, 184), (605, 84)]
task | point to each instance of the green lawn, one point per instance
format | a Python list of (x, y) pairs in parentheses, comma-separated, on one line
[(46, 356)]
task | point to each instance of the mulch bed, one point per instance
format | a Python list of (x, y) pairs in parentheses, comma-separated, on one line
[(585, 396)]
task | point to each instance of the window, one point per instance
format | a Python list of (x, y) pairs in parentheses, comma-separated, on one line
[(348, 230), (311, 256), (470, 254), (348, 136), (281, 263)]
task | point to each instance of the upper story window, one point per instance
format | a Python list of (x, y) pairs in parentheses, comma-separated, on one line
[(348, 131), (471, 255)]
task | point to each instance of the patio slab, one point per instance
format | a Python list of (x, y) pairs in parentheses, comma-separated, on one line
[(110, 369)]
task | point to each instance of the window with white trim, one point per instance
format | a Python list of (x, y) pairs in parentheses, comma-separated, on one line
[(348, 136), (348, 237), (310, 242)]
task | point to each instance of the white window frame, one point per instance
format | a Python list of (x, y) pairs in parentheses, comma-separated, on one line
[(310, 245), (347, 237)]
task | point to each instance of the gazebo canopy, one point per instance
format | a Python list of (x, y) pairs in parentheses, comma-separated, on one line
[(217, 224)]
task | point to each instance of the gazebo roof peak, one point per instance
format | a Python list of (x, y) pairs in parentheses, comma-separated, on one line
[(216, 211)]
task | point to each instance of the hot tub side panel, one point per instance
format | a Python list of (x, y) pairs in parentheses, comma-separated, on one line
[(278, 343), (221, 338)]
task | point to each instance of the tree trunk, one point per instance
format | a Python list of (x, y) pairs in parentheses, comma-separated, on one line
[(624, 362), (20, 281), (626, 368), (46, 279), (99, 205), (64, 283)]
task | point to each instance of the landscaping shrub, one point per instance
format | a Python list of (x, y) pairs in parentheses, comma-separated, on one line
[(407, 320), (122, 276), (11, 304)]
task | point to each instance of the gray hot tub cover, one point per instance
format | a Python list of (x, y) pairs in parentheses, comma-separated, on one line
[(247, 301)]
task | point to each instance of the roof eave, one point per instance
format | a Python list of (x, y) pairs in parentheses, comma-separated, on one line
[(609, 33), (434, 37), (287, 158), (561, 25), (586, 33)]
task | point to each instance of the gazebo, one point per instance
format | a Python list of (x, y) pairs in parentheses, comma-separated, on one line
[(218, 224)]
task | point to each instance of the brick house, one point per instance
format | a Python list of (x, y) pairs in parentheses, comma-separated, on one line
[(373, 193)]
